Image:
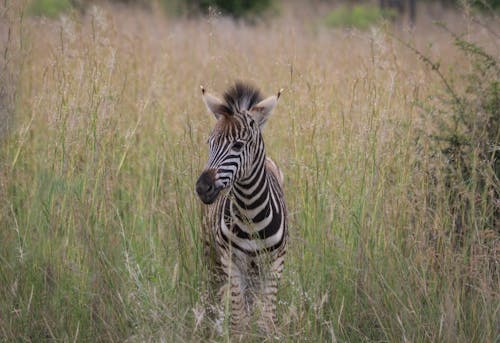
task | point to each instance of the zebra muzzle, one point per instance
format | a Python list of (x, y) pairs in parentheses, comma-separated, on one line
[(206, 188)]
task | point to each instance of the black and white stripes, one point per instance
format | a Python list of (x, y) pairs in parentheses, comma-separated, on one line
[(246, 220)]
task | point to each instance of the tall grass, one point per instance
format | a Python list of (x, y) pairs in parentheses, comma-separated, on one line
[(100, 225)]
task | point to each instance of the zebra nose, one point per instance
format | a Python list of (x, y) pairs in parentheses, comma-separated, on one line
[(203, 188), (205, 183), (206, 188)]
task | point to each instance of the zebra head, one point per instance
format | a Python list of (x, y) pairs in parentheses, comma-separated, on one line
[(236, 145)]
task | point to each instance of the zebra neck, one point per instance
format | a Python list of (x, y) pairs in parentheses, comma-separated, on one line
[(251, 199), (253, 217)]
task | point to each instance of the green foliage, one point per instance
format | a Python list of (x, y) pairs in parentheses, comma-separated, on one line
[(236, 8), (49, 8), (486, 5), (358, 16), (466, 136)]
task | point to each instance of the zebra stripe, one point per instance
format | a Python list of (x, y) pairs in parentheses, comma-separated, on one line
[(246, 224)]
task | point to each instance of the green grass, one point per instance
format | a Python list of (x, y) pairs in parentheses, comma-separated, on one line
[(100, 224)]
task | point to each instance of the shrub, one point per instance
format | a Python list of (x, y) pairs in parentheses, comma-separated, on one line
[(485, 5), (49, 8), (358, 16), (466, 142), (235, 8)]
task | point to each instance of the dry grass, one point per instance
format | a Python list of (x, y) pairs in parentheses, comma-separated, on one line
[(100, 224)]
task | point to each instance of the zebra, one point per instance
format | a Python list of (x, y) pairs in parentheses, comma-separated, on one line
[(245, 223)]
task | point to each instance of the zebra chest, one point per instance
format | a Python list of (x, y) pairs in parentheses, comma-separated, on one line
[(249, 236)]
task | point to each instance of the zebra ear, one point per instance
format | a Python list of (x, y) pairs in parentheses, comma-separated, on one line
[(214, 105), (261, 111)]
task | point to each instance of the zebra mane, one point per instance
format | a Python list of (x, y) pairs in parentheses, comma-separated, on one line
[(240, 97)]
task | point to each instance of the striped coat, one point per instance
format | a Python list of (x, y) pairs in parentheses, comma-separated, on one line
[(245, 222)]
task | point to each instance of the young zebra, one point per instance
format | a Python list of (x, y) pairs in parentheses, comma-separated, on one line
[(246, 221)]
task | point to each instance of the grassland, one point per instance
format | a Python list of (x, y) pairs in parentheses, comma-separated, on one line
[(103, 136)]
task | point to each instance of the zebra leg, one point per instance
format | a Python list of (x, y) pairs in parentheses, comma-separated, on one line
[(239, 311), (267, 305), (232, 295), (268, 296)]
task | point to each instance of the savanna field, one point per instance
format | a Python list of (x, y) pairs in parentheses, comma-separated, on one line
[(103, 134)]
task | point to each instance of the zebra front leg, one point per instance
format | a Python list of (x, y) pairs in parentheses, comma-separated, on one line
[(239, 310), (232, 295), (268, 296), (267, 305)]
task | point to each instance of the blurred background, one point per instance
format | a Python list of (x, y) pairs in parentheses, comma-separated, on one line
[(355, 13), (387, 133)]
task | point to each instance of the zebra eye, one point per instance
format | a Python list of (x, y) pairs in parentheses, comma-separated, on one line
[(237, 146)]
